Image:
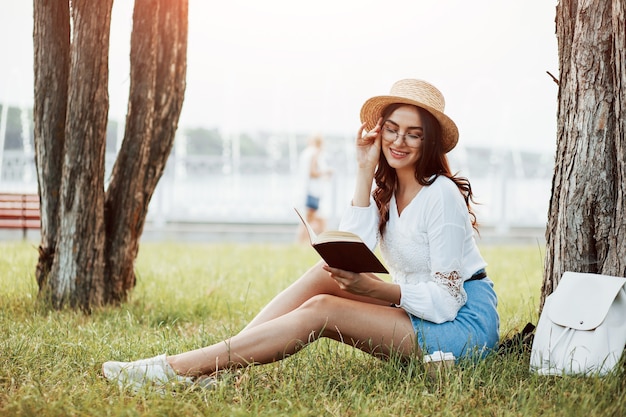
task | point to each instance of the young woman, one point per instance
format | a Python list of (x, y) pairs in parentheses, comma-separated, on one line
[(440, 298)]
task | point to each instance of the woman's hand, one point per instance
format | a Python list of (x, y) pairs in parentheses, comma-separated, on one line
[(359, 284), (368, 146), (367, 155)]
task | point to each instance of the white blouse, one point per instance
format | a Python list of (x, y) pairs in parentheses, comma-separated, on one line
[(429, 250)]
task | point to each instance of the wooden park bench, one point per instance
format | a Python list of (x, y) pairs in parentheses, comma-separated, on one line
[(20, 211)]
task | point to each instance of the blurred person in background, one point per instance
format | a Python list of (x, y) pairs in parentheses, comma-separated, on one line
[(314, 173)]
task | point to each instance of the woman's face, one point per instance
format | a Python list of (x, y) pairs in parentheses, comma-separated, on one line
[(402, 138)]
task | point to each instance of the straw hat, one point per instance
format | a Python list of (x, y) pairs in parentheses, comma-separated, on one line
[(419, 93)]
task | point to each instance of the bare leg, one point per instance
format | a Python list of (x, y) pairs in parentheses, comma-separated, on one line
[(379, 330), (310, 216), (316, 221), (314, 282), (302, 235)]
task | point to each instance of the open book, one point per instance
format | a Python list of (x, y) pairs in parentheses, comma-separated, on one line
[(343, 250)]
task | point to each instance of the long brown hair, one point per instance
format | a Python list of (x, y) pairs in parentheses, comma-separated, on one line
[(432, 163)]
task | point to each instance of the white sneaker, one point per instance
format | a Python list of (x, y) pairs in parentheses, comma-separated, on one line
[(135, 375)]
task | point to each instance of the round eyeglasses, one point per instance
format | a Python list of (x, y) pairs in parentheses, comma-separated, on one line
[(390, 134)]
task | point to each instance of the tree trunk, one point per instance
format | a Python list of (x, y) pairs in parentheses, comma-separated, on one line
[(587, 220), (158, 73), (51, 38), (90, 239), (78, 267)]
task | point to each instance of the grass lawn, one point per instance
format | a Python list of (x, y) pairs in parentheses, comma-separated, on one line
[(190, 295)]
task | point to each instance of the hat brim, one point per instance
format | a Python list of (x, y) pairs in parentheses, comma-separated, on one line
[(373, 108)]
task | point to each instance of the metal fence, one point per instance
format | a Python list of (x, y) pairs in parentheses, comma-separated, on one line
[(513, 188)]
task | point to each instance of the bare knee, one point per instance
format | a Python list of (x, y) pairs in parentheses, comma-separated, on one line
[(319, 303), (317, 312), (323, 314)]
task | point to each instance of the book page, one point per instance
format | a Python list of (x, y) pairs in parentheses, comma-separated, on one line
[(337, 236), (309, 229), (327, 236)]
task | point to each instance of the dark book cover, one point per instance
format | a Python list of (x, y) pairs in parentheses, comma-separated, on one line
[(350, 256)]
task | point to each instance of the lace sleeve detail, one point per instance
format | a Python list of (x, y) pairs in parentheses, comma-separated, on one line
[(453, 284)]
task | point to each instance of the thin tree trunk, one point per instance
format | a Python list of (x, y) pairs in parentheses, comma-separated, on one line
[(51, 41), (158, 72), (586, 230), (78, 267), (125, 198)]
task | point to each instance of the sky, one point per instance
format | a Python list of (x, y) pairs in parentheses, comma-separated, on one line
[(296, 66)]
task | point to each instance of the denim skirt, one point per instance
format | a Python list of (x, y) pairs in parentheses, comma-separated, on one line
[(473, 333), (312, 202)]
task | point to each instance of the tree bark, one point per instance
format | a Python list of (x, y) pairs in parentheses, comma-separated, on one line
[(78, 266), (586, 220), (158, 73), (51, 39), (126, 199)]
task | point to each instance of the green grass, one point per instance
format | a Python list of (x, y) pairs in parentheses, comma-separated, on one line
[(189, 295)]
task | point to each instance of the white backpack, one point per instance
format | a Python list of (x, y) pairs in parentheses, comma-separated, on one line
[(582, 328)]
